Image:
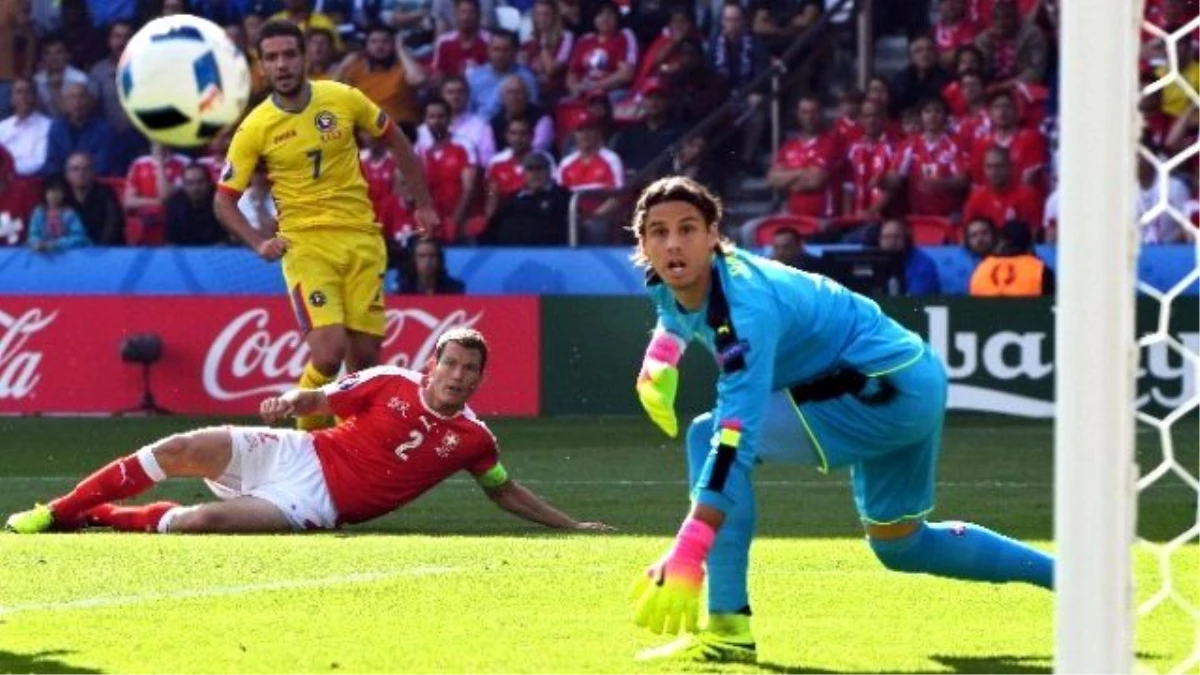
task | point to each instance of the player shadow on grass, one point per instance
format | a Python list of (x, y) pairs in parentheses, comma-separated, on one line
[(963, 664), (12, 662)]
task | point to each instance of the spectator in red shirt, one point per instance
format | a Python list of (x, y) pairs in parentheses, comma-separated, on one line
[(662, 57), (547, 51), (151, 181), (452, 172), (1001, 199), (954, 29), (1027, 147), (459, 49), (214, 161), (805, 166), (971, 113), (505, 174), (868, 162), (604, 60), (590, 166), (379, 170), (848, 126), (932, 166)]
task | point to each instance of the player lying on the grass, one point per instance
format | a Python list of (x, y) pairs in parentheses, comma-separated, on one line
[(810, 373), (402, 434)]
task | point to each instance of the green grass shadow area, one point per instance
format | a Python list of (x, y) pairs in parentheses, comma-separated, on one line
[(40, 662), (953, 664)]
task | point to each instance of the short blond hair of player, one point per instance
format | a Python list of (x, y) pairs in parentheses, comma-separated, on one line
[(330, 245)]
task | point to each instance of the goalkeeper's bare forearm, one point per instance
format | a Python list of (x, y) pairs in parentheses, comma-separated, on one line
[(295, 403)]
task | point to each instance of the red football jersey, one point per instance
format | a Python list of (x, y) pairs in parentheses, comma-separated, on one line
[(848, 131), (505, 173), (215, 165), (142, 175), (602, 170), (395, 218), (980, 11), (1018, 202), (950, 37), (444, 165), (379, 174), (926, 159), (809, 153), (390, 447), (451, 57), (1026, 147), (970, 127), (869, 161), (594, 57)]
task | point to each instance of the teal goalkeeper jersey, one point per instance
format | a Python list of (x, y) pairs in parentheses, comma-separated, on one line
[(770, 328)]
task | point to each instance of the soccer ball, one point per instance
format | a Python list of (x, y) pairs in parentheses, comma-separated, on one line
[(181, 80)]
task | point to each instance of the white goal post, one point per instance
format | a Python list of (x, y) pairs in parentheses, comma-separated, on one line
[(1096, 354)]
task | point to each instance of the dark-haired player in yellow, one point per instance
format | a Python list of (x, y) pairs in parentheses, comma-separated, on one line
[(332, 251)]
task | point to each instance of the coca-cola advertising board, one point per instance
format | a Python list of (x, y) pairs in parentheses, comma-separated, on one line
[(222, 355)]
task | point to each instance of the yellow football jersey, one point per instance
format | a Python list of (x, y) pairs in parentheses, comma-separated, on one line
[(311, 158)]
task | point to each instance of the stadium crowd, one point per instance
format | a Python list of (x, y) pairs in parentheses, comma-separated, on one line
[(513, 105)]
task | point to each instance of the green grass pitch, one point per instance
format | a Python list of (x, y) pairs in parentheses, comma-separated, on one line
[(451, 584)]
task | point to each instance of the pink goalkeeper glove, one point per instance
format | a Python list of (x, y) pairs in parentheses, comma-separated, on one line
[(659, 380), (667, 596)]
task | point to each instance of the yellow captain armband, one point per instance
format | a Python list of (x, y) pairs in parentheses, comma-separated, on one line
[(493, 477)]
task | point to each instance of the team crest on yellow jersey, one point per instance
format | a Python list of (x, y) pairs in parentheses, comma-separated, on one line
[(325, 121)]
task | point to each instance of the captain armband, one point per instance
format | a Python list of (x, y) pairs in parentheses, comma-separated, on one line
[(493, 477)]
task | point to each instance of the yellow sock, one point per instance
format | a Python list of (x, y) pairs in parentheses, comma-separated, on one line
[(312, 378)]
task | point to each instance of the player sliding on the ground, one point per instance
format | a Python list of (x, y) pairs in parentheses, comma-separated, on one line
[(810, 373), (402, 434)]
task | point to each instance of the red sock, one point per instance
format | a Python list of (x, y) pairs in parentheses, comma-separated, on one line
[(129, 518), (121, 479)]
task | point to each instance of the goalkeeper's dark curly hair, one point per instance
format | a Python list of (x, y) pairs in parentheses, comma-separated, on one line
[(676, 189)]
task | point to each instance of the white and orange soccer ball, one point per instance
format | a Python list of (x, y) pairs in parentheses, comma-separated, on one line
[(182, 80)]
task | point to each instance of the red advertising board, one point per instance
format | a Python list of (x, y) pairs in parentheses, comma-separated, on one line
[(222, 355)]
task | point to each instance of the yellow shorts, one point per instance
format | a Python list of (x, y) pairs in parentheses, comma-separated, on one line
[(335, 277)]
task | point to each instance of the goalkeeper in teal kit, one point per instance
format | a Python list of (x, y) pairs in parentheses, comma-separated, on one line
[(810, 373)]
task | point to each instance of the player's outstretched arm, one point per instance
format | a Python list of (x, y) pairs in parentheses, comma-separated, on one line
[(295, 403), (518, 500)]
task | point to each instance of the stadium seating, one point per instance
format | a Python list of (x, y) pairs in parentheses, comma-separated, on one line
[(767, 226), (932, 230)]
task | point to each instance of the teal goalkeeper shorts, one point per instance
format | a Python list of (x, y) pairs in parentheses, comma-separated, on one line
[(891, 447)]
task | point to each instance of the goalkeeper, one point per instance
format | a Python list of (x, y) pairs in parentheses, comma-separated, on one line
[(810, 373)]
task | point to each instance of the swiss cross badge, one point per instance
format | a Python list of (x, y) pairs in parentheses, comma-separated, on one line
[(449, 443)]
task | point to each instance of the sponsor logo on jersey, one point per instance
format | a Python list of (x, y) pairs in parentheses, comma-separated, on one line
[(227, 172), (733, 357), (325, 121), (317, 299), (381, 120), (291, 133), (349, 381)]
